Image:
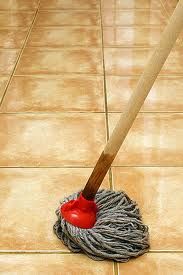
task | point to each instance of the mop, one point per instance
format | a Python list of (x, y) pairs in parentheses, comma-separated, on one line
[(106, 224)]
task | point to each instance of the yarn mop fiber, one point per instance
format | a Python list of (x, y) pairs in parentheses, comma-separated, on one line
[(118, 234)]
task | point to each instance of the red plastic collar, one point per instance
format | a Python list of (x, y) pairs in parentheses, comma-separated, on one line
[(80, 212)]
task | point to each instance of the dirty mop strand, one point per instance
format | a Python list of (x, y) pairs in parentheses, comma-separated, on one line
[(118, 233)]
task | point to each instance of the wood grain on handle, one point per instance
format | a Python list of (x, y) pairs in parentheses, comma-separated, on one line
[(144, 85)]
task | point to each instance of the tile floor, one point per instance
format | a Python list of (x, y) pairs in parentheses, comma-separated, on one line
[(67, 70)]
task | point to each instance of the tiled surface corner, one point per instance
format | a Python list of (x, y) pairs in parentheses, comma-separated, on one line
[(131, 61), (155, 139), (16, 18), (67, 71), (65, 4), (154, 264), (53, 264), (153, 188), (160, 99), (63, 93), (133, 17), (65, 60), (19, 5), (65, 37), (51, 139), (12, 38), (68, 18), (132, 4), (34, 195)]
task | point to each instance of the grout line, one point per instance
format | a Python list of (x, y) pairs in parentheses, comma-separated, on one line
[(95, 25), (83, 112), (74, 74), (51, 113), (11, 11), (140, 25), (82, 75), (20, 54), (105, 93), (111, 178), (96, 46), (150, 112), (60, 27), (47, 10), (111, 9), (41, 251), (91, 167), (47, 167), (58, 75), (62, 74), (138, 75), (68, 10), (14, 28), (165, 251), (146, 47), (147, 166), (132, 46), (103, 62), (62, 48), (35, 252), (116, 268)]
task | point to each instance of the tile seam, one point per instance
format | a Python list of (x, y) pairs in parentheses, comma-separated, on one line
[(88, 167), (82, 112), (105, 91), (20, 53), (37, 251)]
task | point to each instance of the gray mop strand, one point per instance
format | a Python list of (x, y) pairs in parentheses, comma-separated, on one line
[(118, 233)]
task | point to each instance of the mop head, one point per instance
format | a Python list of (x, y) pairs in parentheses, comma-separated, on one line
[(118, 233)]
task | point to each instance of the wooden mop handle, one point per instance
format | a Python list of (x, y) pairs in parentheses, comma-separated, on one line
[(136, 101)]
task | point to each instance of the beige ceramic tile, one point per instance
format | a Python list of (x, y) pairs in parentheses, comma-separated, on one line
[(165, 96), (34, 195), (12, 38), (8, 60), (63, 93), (68, 18), (51, 139), (53, 265), (154, 139), (65, 36), (68, 60), (16, 19), (132, 37), (19, 5), (69, 4), (3, 82), (123, 61), (111, 17), (131, 4), (154, 264), (159, 193)]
